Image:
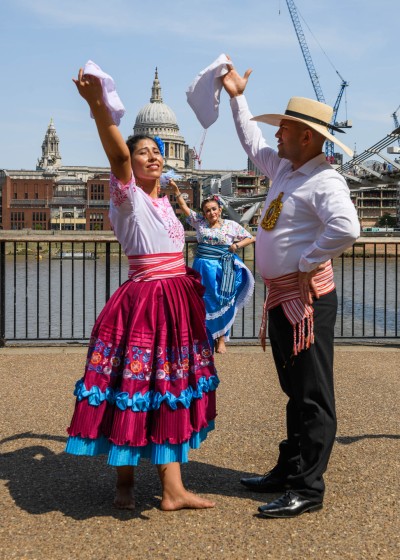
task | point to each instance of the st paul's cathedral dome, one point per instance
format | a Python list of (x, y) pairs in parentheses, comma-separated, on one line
[(158, 119)]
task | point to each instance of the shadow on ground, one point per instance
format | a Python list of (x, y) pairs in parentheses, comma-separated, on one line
[(41, 481), (346, 440)]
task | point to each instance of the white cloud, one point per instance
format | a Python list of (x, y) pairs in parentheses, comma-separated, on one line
[(212, 21)]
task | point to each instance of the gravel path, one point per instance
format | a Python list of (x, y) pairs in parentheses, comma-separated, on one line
[(56, 506)]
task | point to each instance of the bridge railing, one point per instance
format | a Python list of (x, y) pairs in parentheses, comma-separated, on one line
[(52, 288)]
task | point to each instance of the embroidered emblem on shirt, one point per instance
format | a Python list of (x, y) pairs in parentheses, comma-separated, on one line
[(272, 214)]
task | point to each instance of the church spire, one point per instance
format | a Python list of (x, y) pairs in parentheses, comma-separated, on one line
[(156, 90), (50, 153)]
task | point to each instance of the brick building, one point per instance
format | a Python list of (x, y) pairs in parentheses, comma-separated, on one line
[(65, 198), (71, 199)]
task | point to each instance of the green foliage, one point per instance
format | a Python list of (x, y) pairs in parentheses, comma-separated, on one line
[(386, 220)]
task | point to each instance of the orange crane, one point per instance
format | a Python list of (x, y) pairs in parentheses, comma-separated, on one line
[(197, 154)]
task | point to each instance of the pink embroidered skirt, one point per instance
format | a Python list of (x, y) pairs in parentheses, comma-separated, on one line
[(149, 384)]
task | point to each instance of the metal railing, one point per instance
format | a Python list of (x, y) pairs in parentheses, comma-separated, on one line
[(52, 288)]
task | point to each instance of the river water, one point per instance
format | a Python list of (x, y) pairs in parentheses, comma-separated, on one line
[(60, 299)]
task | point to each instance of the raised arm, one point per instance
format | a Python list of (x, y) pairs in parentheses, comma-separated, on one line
[(113, 143), (234, 83), (249, 133), (179, 198)]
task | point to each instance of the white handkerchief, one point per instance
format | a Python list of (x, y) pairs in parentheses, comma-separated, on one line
[(204, 92), (165, 177), (110, 95)]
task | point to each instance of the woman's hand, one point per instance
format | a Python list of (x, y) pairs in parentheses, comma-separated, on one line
[(179, 198), (89, 88), (243, 243), (174, 186), (113, 143)]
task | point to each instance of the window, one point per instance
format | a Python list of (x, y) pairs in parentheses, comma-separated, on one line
[(97, 192), (96, 222), (39, 220), (17, 220)]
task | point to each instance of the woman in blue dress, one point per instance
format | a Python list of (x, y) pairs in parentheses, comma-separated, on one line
[(228, 282)]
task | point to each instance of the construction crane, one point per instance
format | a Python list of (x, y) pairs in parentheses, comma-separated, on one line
[(395, 119), (396, 122), (197, 154), (329, 145)]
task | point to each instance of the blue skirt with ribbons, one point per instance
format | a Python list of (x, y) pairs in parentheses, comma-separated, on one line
[(228, 283)]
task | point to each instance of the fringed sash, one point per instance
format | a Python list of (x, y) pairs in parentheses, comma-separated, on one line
[(227, 259), (143, 268), (285, 291)]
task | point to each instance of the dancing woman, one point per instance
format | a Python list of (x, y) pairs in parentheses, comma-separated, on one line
[(228, 282), (149, 384)]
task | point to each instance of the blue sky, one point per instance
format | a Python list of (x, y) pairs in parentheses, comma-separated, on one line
[(44, 42)]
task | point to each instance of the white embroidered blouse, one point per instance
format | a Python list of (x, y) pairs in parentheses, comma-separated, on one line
[(143, 225), (226, 234)]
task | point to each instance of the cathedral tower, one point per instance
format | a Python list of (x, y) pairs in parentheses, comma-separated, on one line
[(158, 119), (50, 154)]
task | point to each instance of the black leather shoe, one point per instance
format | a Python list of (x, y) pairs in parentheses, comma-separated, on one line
[(269, 482), (288, 505)]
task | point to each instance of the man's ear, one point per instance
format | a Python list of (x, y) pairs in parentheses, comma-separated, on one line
[(307, 136)]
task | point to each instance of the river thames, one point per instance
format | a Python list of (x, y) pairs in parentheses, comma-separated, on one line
[(59, 299)]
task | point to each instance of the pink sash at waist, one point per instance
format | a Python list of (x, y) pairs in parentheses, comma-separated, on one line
[(285, 291), (143, 268)]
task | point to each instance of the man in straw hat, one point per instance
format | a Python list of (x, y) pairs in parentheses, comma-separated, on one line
[(307, 220)]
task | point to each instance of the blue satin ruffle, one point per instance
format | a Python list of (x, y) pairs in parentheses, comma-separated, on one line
[(151, 400), (125, 455)]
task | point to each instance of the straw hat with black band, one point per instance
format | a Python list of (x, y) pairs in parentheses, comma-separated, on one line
[(313, 113)]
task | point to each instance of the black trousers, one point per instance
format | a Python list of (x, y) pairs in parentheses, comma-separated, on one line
[(307, 380)]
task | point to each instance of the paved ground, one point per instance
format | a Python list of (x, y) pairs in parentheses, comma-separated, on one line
[(55, 506)]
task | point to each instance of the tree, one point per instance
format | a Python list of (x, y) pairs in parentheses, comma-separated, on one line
[(386, 220)]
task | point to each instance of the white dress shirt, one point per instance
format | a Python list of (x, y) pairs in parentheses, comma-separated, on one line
[(318, 220)]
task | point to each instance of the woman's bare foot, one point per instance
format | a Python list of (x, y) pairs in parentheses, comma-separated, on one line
[(124, 498), (221, 348), (174, 494), (186, 500)]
